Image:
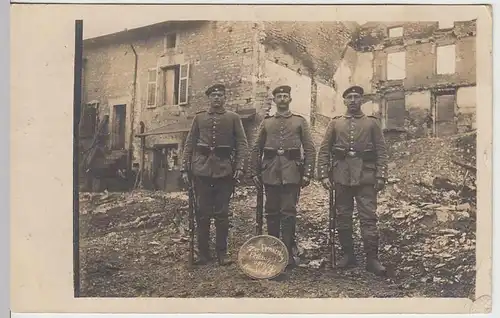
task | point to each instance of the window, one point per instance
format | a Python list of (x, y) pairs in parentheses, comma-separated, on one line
[(152, 87), (173, 85), (446, 24), (395, 32), (170, 41), (395, 110), (445, 59), (396, 66)]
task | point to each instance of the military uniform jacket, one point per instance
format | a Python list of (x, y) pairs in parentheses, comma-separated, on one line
[(346, 148), (213, 135), (283, 135)]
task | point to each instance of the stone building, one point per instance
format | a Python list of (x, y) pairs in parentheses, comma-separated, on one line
[(419, 77), (143, 86)]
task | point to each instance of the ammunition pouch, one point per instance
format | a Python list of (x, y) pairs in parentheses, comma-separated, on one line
[(223, 152), (290, 154), (367, 155)]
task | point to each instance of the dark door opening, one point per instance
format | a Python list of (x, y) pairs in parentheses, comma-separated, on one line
[(118, 127), (445, 115), (166, 162)]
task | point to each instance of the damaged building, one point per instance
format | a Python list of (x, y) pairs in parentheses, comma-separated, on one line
[(419, 77), (142, 87)]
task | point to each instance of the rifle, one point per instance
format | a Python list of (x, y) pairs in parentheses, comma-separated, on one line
[(332, 225), (192, 207), (260, 209)]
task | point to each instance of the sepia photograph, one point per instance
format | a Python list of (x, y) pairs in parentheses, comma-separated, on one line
[(203, 142), (235, 157)]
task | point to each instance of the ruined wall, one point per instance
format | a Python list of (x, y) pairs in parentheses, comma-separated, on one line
[(325, 101), (420, 44), (300, 84), (317, 45), (423, 60), (466, 112), (363, 71)]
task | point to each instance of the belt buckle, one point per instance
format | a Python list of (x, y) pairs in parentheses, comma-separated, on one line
[(351, 153), (281, 151)]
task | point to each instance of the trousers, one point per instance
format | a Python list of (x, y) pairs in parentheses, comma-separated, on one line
[(281, 212), (366, 201), (212, 195)]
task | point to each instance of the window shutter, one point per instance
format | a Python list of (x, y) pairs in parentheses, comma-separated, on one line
[(152, 78), (183, 84)]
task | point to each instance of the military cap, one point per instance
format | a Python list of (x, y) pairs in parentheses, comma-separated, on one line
[(215, 88), (282, 89), (353, 89)]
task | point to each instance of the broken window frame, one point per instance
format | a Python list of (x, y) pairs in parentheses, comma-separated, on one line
[(154, 84), (445, 59)]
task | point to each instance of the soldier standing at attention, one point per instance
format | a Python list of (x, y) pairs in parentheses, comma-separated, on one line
[(216, 134), (276, 163), (354, 151)]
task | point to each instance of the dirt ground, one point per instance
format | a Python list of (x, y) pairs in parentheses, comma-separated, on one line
[(135, 244)]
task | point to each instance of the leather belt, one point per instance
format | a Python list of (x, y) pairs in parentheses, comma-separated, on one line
[(219, 151), (291, 154)]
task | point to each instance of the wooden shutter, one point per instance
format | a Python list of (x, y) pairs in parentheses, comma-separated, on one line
[(152, 78), (183, 84)]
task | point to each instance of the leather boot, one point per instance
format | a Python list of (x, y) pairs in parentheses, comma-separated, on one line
[(373, 264), (221, 234), (287, 238), (203, 242), (348, 258)]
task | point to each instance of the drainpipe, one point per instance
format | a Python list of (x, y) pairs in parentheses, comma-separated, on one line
[(132, 112)]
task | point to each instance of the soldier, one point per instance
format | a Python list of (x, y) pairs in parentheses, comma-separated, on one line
[(216, 136), (275, 162), (359, 169)]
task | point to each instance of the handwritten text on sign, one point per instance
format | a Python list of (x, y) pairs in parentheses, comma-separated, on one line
[(263, 257)]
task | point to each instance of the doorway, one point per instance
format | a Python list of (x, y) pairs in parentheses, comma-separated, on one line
[(118, 127), (445, 124), (166, 168)]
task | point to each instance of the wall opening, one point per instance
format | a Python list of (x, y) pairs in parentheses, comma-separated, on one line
[(396, 66), (395, 32), (395, 111), (445, 59), (118, 127), (445, 124)]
